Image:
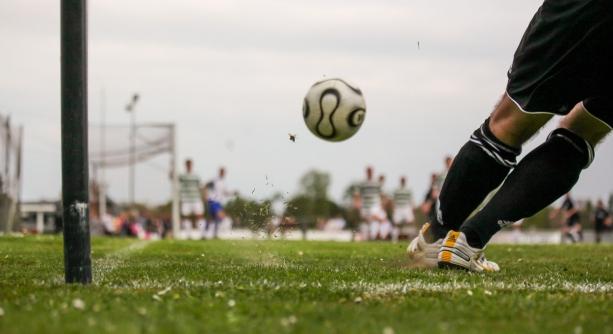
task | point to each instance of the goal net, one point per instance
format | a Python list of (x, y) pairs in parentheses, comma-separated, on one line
[(121, 146)]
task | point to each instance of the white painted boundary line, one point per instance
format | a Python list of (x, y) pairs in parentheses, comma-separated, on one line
[(104, 266), (527, 237), (379, 289)]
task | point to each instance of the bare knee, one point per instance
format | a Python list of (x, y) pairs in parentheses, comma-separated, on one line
[(512, 126), (585, 125)]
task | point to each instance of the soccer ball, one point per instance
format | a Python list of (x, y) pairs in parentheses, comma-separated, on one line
[(333, 109)]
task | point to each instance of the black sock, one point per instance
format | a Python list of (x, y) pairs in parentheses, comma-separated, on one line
[(479, 167), (545, 174)]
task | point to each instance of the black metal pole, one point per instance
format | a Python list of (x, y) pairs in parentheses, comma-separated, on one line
[(75, 192)]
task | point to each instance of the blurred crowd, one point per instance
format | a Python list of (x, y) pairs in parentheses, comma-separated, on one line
[(136, 223)]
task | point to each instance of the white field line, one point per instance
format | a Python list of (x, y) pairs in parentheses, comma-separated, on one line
[(267, 260), (104, 266), (374, 289)]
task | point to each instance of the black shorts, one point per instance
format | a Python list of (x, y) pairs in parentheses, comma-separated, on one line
[(572, 221), (566, 57)]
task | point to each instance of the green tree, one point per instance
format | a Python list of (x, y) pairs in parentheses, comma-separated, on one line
[(312, 202), (249, 213), (314, 184)]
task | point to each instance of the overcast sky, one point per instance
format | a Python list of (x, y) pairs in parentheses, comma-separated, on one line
[(232, 75)]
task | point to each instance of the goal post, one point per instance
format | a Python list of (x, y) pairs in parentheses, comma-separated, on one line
[(75, 189), (175, 184)]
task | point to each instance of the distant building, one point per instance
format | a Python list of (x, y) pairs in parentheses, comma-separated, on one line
[(40, 217)]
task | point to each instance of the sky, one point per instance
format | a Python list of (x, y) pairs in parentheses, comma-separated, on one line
[(232, 75)]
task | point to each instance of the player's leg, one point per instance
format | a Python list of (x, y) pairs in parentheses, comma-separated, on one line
[(186, 220), (578, 229), (480, 167), (199, 219), (565, 232), (219, 217), (545, 174), (482, 164)]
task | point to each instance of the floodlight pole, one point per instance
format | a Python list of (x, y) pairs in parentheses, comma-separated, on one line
[(75, 188), (130, 109)]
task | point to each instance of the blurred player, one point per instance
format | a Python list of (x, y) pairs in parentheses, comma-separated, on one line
[(217, 195), (429, 204), (440, 178), (192, 209), (601, 219), (372, 211), (571, 225), (385, 227), (353, 216), (403, 208), (562, 66)]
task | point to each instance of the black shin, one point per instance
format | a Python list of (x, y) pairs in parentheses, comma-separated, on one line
[(480, 166), (545, 174)]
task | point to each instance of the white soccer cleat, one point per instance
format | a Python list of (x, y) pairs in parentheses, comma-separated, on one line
[(456, 253), (421, 253)]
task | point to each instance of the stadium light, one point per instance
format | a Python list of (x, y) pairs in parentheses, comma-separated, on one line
[(130, 108), (75, 178)]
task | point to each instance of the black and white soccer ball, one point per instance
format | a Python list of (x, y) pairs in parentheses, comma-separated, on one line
[(333, 109)]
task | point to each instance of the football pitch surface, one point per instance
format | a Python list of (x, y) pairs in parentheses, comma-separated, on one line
[(302, 287)]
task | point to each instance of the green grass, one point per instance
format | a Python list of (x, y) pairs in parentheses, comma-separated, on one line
[(304, 287)]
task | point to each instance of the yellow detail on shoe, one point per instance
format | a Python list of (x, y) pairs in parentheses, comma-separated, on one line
[(425, 228), (451, 239), (446, 256)]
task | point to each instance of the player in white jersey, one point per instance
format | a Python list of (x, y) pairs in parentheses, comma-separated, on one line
[(372, 211), (217, 195), (192, 209), (403, 208)]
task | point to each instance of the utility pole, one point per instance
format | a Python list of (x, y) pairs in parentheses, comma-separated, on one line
[(75, 178), (130, 108)]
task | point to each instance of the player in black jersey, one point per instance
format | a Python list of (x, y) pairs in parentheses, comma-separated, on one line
[(571, 220), (563, 66), (601, 220)]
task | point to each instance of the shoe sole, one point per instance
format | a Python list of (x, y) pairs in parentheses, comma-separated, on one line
[(451, 266)]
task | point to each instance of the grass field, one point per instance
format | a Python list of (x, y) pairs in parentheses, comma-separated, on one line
[(304, 287)]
